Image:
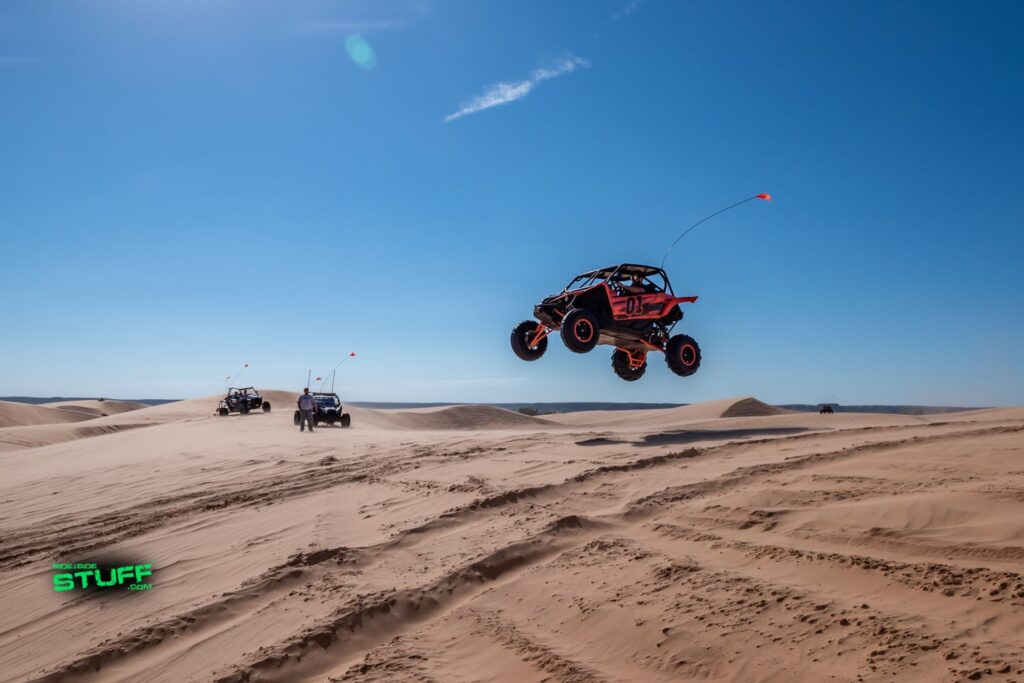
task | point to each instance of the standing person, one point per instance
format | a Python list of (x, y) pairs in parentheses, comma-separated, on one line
[(306, 407)]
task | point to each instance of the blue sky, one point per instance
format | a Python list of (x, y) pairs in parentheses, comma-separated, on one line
[(189, 185)]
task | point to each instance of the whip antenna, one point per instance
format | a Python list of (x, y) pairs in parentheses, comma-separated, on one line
[(764, 195), (231, 380), (334, 372)]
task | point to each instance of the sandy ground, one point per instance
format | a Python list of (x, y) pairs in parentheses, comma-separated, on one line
[(475, 544)]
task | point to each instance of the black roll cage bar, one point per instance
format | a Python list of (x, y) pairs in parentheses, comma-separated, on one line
[(620, 273)]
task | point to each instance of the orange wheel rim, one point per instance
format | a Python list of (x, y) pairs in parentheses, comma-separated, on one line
[(688, 354)]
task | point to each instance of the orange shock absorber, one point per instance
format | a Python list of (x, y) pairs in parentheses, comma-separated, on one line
[(542, 331), (637, 359)]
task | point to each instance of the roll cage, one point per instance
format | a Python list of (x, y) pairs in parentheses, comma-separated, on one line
[(629, 319), (615, 275), (324, 400)]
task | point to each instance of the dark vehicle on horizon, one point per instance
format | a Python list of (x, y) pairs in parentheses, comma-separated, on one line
[(629, 306), (242, 400), (328, 409)]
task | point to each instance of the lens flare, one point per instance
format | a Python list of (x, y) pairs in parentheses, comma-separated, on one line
[(360, 52)]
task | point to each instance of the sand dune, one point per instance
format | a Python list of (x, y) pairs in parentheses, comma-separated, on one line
[(722, 541), (283, 403), (746, 406), (751, 407), (444, 418), (60, 412), (22, 414), (97, 408), (709, 410), (468, 417), (51, 424)]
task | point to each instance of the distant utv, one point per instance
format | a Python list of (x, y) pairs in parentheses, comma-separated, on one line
[(242, 400), (826, 409), (328, 409)]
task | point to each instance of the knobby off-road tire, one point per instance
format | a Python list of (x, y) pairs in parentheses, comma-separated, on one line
[(296, 418), (266, 407), (580, 330), (682, 355), (620, 364), (223, 412), (522, 335), (346, 421)]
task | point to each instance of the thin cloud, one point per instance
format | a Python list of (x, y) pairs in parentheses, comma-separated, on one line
[(506, 92)]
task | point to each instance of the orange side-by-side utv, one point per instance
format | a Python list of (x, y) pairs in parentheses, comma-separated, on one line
[(631, 307)]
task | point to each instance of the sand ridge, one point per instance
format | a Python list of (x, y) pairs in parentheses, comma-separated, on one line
[(31, 426), (14, 414)]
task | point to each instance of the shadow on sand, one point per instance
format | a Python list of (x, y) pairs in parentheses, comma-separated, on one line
[(686, 436), (682, 436)]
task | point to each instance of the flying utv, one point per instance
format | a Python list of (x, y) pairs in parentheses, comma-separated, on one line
[(242, 400), (327, 409), (629, 306)]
